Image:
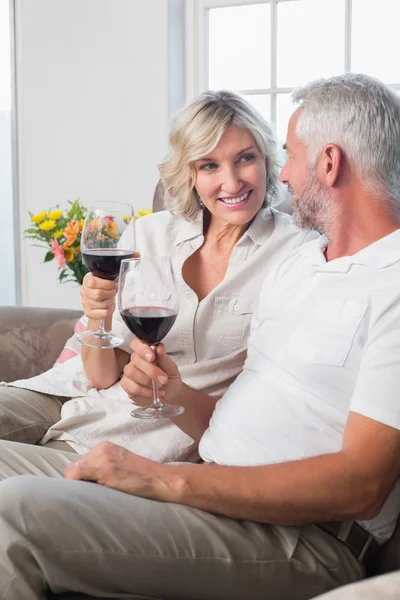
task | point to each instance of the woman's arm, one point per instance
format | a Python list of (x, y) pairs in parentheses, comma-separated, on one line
[(102, 367)]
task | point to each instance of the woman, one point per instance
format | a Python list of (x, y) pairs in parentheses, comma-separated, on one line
[(222, 235)]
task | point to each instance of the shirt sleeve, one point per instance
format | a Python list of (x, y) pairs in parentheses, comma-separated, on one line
[(377, 390)]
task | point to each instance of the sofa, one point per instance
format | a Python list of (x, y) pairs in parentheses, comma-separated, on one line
[(30, 341)]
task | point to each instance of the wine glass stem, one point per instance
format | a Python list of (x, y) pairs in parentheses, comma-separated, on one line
[(156, 401), (101, 330)]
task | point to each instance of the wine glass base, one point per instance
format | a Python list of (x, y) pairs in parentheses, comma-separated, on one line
[(152, 412), (103, 341)]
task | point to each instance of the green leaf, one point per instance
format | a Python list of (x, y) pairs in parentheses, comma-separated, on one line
[(49, 256)]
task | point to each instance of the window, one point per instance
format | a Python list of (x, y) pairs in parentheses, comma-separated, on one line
[(265, 48), (7, 239)]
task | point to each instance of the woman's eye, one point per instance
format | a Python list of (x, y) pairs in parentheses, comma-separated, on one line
[(247, 158), (208, 167)]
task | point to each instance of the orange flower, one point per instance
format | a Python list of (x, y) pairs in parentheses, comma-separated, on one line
[(71, 232), (110, 229), (69, 254)]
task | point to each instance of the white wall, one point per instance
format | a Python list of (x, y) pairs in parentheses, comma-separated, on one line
[(92, 109)]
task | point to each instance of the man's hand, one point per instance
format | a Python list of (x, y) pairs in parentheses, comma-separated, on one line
[(141, 370), (115, 467)]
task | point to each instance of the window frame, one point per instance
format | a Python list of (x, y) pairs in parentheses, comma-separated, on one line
[(13, 255), (196, 71)]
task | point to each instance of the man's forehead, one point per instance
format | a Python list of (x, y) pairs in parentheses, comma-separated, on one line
[(291, 139)]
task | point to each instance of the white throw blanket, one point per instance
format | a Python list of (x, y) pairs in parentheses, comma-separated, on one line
[(94, 415)]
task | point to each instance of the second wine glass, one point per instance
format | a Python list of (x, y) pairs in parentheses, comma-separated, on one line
[(148, 302), (108, 237)]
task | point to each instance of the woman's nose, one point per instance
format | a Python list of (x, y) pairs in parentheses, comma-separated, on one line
[(231, 182)]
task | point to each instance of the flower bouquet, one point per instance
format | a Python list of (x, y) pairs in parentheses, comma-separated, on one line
[(59, 233)]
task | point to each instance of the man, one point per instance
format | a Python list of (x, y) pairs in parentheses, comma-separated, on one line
[(308, 433)]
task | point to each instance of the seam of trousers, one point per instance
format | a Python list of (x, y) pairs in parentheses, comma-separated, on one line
[(179, 558), (28, 427)]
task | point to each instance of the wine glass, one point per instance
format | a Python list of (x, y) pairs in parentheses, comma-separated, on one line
[(148, 302), (108, 237)]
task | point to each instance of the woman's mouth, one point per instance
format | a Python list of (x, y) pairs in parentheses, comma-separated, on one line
[(236, 201)]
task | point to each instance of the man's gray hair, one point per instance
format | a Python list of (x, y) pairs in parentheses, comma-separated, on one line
[(362, 116)]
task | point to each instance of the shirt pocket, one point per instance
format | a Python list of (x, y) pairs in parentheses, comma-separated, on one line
[(231, 318), (325, 337)]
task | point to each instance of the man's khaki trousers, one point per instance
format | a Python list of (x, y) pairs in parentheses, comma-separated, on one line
[(79, 536)]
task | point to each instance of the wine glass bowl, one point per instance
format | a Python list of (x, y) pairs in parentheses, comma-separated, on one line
[(108, 237), (148, 302)]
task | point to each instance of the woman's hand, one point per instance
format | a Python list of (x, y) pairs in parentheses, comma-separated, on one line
[(98, 297), (141, 370)]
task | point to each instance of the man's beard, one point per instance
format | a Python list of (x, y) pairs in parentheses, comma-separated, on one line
[(314, 208)]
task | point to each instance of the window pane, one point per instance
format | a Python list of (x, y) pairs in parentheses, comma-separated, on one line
[(310, 40), (239, 47), (7, 281), (262, 102), (284, 110), (375, 39)]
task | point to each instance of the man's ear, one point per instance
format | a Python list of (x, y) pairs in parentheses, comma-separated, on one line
[(330, 164)]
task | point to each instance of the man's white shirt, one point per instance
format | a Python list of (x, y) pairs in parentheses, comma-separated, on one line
[(325, 341)]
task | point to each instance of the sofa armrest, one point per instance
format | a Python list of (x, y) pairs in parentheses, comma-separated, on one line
[(32, 338)]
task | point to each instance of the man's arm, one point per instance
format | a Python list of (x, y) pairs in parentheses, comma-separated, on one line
[(352, 483)]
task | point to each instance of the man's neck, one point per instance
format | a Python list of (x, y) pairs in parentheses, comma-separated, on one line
[(358, 227)]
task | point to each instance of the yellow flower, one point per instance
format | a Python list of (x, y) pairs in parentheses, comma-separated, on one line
[(47, 225), (142, 213), (55, 214), (39, 217), (57, 234)]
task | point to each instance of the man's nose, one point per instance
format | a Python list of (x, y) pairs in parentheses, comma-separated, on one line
[(283, 176)]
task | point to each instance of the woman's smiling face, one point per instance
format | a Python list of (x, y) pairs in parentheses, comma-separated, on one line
[(231, 180)]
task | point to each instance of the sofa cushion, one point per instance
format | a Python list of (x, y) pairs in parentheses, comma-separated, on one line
[(72, 347), (31, 339)]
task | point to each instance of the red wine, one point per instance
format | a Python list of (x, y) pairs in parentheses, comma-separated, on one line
[(105, 262), (149, 323)]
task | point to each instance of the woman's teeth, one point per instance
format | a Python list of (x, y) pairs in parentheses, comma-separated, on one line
[(235, 200)]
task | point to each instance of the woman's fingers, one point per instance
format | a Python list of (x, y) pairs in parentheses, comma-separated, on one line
[(98, 297), (143, 350), (138, 369)]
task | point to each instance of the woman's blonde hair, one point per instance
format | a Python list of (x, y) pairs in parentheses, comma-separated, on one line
[(196, 131)]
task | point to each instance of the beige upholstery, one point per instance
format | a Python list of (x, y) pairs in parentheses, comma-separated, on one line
[(31, 339), (158, 198)]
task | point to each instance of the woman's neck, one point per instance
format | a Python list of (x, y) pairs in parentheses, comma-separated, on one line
[(221, 234)]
